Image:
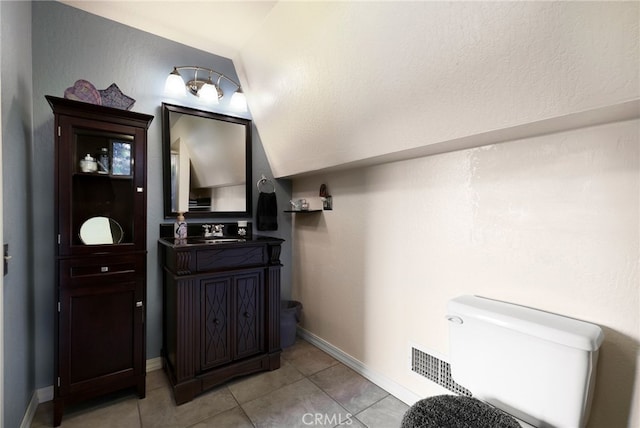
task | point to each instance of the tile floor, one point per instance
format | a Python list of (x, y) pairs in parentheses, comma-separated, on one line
[(311, 389)]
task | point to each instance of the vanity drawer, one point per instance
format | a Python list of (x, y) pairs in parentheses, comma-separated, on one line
[(222, 258), (98, 269)]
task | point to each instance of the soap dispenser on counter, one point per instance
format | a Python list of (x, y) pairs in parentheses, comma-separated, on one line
[(180, 227)]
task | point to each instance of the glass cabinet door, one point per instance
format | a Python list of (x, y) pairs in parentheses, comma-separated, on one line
[(103, 172), (102, 202)]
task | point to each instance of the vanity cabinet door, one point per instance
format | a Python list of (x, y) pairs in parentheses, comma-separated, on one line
[(249, 318), (216, 328), (232, 317)]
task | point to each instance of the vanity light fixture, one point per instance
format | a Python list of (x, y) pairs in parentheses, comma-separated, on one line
[(203, 87)]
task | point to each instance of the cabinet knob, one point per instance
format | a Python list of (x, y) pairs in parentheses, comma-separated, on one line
[(104, 269), (247, 315), (139, 304), (216, 321)]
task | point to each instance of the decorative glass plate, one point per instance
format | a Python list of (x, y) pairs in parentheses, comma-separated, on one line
[(84, 91), (113, 97)]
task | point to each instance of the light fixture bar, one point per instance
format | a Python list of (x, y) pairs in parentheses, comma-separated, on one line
[(204, 88), (209, 70)]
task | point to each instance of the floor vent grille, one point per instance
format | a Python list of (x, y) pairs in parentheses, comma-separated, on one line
[(435, 370)]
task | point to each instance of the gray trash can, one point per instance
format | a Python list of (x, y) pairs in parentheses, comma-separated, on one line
[(289, 318)]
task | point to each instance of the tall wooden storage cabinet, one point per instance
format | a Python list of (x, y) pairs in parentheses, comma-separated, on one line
[(100, 205)]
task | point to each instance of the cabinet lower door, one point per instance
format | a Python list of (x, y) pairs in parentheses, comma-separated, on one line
[(249, 335), (216, 312), (100, 330), (232, 317)]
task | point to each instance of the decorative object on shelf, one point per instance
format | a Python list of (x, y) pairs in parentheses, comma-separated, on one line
[(113, 97), (103, 161), (121, 158), (88, 164), (299, 205), (204, 87), (327, 200), (83, 90), (242, 227)]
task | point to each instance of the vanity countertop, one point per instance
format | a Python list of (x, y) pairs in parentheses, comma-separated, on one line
[(218, 241)]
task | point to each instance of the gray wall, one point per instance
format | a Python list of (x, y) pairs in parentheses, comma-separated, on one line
[(69, 44), (18, 297)]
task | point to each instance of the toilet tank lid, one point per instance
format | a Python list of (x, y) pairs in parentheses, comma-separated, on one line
[(534, 322)]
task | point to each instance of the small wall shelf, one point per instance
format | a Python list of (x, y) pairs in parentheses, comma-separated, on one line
[(302, 211)]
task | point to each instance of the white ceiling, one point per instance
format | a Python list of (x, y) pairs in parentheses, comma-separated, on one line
[(218, 27), (333, 84)]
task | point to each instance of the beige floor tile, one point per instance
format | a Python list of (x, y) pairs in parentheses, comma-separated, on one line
[(249, 388), (307, 358), (386, 413), (310, 389), (43, 416), (300, 404), (158, 409), (351, 390), (157, 379), (116, 415), (234, 418)]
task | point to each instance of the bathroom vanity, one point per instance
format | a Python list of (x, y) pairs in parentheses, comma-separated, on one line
[(221, 310)]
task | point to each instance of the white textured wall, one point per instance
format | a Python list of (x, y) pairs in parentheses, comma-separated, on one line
[(335, 82), (550, 222)]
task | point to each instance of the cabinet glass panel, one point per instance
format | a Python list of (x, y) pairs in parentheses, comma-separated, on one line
[(102, 193)]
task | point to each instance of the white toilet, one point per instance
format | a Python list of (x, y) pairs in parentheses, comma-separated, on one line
[(536, 366)]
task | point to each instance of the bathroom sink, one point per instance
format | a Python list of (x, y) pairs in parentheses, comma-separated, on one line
[(218, 240), (199, 240), (221, 240)]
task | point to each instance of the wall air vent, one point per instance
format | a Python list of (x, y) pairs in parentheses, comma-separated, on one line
[(436, 370)]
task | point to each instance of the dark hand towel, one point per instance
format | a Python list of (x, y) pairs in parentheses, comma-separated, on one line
[(267, 212)]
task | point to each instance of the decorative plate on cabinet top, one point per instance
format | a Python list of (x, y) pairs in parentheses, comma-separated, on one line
[(84, 91), (113, 97)]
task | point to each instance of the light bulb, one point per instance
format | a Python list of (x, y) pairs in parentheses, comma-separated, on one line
[(238, 101), (208, 93), (174, 85)]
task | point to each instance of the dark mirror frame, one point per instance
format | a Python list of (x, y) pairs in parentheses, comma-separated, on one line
[(166, 161)]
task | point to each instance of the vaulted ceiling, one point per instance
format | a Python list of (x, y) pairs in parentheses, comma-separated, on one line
[(338, 84), (218, 27)]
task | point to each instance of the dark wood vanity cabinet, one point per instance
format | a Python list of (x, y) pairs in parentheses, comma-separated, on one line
[(221, 311), (100, 251)]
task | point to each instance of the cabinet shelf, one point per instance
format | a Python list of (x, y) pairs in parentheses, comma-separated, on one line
[(97, 174)]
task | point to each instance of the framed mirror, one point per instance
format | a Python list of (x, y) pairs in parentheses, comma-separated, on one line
[(206, 163)]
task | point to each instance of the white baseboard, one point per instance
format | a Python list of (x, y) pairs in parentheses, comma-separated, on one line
[(394, 388)]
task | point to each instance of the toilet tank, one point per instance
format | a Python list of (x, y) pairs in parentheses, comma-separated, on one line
[(538, 366)]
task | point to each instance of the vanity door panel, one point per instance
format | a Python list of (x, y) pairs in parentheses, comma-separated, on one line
[(216, 328), (249, 323)]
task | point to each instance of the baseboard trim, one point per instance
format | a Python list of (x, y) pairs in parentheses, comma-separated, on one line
[(30, 413), (394, 388)]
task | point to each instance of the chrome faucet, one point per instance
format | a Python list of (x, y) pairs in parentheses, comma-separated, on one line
[(207, 230), (217, 230)]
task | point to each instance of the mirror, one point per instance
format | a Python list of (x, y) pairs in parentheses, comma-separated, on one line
[(207, 163), (100, 231)]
